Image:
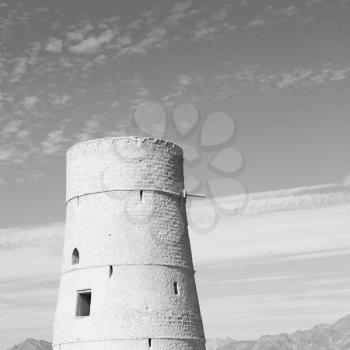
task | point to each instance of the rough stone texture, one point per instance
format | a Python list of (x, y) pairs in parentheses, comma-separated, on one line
[(126, 214), (124, 163)]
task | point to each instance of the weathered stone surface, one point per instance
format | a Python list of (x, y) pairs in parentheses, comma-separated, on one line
[(126, 215)]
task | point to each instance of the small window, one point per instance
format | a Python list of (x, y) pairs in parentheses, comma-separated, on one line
[(176, 288), (83, 303), (149, 343), (75, 256), (110, 271)]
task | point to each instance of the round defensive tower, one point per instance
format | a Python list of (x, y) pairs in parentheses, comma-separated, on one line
[(127, 278)]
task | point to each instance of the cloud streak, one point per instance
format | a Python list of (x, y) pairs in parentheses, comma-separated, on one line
[(18, 237), (92, 44), (54, 45), (288, 222), (270, 81), (272, 15), (268, 234)]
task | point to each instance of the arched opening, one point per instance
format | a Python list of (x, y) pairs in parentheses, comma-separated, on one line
[(75, 256)]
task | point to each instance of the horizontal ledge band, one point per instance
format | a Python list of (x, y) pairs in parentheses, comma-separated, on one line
[(119, 265), (181, 195), (202, 340)]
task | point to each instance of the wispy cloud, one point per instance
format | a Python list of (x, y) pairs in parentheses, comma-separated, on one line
[(154, 38), (256, 22), (263, 313), (266, 278), (314, 2), (202, 30), (255, 77), (15, 146), (288, 222), (19, 237), (54, 45), (57, 100), (19, 69), (54, 142), (5, 153), (179, 12), (218, 24), (27, 59), (294, 78), (92, 44), (308, 77), (242, 2), (91, 127), (29, 102), (185, 80), (11, 128), (79, 31), (172, 28), (299, 221), (182, 87), (282, 12), (329, 5), (142, 91), (31, 285), (272, 15)]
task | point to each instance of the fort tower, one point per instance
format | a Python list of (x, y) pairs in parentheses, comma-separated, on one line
[(127, 278)]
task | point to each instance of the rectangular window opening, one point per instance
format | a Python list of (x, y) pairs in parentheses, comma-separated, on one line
[(83, 303), (149, 343)]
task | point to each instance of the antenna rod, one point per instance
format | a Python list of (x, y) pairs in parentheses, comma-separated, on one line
[(198, 195)]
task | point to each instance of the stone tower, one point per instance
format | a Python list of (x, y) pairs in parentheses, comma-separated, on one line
[(127, 278)]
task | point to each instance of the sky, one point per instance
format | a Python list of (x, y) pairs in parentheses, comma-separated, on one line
[(257, 94)]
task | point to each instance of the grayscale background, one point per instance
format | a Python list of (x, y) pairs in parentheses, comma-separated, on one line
[(72, 70)]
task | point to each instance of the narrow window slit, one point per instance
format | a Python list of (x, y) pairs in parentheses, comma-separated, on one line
[(149, 343), (110, 271), (176, 288), (141, 195)]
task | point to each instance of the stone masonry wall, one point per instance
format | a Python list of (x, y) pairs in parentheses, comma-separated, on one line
[(126, 215)]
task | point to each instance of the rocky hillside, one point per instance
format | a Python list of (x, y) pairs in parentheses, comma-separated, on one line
[(32, 344), (321, 337)]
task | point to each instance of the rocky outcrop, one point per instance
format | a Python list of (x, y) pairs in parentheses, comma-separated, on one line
[(32, 344), (321, 337)]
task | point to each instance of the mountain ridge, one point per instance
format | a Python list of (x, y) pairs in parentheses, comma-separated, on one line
[(319, 337)]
